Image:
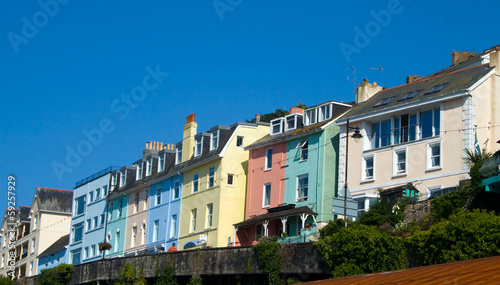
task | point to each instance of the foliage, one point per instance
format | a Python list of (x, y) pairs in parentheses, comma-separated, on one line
[(332, 227), (104, 246), (127, 276), (359, 249), (141, 280), (166, 277), (463, 236), (383, 212), (6, 281), (195, 280), (475, 161), (269, 260), (57, 275), (450, 203), (278, 113)]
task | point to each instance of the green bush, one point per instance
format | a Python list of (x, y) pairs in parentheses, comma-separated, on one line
[(463, 236), (195, 280), (450, 203), (383, 212), (360, 249), (269, 260), (6, 281), (166, 277), (57, 275)]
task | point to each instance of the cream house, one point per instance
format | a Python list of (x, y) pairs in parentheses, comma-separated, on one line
[(415, 135)]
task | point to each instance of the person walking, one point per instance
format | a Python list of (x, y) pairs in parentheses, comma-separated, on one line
[(172, 248)]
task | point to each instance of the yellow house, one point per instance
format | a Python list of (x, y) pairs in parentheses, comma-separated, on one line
[(214, 166)]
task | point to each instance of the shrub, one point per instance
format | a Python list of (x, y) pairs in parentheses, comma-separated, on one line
[(61, 274), (269, 260)]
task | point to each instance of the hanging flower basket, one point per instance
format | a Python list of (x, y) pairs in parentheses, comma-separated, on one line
[(104, 246)]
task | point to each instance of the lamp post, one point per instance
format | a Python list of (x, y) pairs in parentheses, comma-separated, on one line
[(356, 136)]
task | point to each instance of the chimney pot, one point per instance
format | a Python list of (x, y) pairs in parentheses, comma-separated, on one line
[(365, 80), (257, 117), (190, 119), (295, 110)]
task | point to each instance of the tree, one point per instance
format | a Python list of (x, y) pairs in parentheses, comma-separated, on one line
[(126, 275), (61, 274), (166, 277), (195, 280)]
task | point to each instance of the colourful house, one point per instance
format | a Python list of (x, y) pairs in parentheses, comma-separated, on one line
[(54, 255), (292, 175), (214, 166)]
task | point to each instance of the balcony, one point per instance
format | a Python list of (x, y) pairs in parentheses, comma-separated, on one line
[(304, 236)]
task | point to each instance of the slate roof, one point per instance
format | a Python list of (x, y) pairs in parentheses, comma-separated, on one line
[(55, 200), (25, 213), (56, 246), (457, 81), (337, 111)]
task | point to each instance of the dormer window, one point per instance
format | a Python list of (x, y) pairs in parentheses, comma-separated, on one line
[(325, 112), (293, 122), (161, 163), (149, 166), (198, 144), (276, 126), (138, 173), (214, 140), (178, 154), (311, 117), (114, 180), (123, 178)]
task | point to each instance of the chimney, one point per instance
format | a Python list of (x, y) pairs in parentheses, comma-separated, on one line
[(413, 78), (457, 56), (257, 117), (189, 131), (366, 90), (495, 58), (295, 110)]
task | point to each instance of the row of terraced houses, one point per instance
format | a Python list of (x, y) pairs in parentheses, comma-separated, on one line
[(232, 185)]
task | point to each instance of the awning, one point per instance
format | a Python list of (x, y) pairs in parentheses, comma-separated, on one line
[(277, 214)]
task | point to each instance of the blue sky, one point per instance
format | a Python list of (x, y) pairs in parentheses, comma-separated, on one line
[(68, 67)]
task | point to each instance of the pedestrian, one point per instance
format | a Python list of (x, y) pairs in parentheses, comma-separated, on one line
[(172, 248)]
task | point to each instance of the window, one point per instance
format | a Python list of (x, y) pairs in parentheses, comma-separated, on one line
[(93, 251), (365, 204), (33, 245), (436, 89), (91, 196), (177, 186), (210, 210), (136, 203), (120, 208), (114, 180), (31, 269), (302, 182), (239, 141), (269, 158), (276, 126), (105, 190), (76, 256), (79, 205), (381, 134), (193, 220), (405, 128), (214, 140), (434, 155), (211, 177), (399, 162), (178, 154), (173, 226), (143, 236), (311, 117), (86, 252), (134, 236), (96, 221), (161, 163), (77, 232), (368, 168), (123, 178), (138, 173), (430, 123), (36, 222), (97, 194), (89, 225), (325, 112), (110, 211), (266, 195), (195, 182), (291, 122), (117, 240), (383, 102), (149, 166), (230, 179), (102, 220), (198, 144), (158, 196), (259, 232), (303, 145), (156, 230), (409, 95)]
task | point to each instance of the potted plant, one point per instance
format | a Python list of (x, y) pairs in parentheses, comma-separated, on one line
[(104, 246)]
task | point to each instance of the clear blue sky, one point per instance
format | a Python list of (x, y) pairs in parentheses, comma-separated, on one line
[(65, 65)]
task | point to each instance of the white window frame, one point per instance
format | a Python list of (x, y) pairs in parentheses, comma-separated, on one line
[(158, 196), (230, 179), (396, 162), (214, 140), (266, 191), (292, 117), (149, 167), (429, 156), (137, 199), (97, 193), (178, 154), (123, 178), (269, 159), (176, 193), (304, 149), (321, 112), (173, 226), (138, 171), (277, 122), (77, 203), (91, 197), (198, 146), (156, 230), (311, 116), (299, 187), (433, 188), (211, 177), (210, 213), (161, 163), (196, 183), (364, 168), (194, 214), (239, 141)]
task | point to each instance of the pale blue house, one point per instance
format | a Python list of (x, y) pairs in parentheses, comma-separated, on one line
[(89, 217), (54, 255)]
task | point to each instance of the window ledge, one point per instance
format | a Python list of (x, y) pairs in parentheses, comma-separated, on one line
[(367, 181), (433, 169), (399, 175)]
